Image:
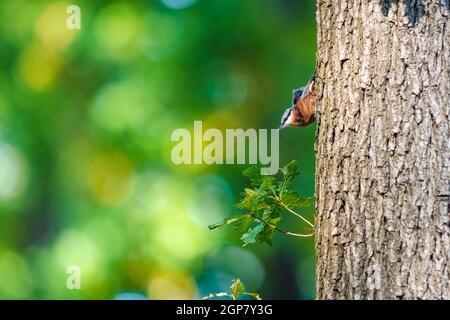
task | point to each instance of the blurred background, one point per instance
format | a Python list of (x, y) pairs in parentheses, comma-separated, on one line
[(85, 122)]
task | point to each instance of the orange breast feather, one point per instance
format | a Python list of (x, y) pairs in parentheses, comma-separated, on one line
[(306, 108)]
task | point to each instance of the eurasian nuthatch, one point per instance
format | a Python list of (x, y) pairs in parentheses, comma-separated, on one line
[(303, 107)]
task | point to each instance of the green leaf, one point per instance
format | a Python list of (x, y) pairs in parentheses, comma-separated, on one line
[(249, 192), (268, 182), (290, 198), (252, 233), (254, 174), (271, 214), (272, 217), (290, 170), (249, 296), (249, 201), (267, 234), (237, 292), (304, 202), (237, 288), (226, 221), (244, 224), (218, 296)]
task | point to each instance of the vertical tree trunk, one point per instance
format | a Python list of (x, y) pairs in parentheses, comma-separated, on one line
[(382, 228)]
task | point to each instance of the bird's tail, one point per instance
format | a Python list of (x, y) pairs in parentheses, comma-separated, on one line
[(313, 77), (309, 87)]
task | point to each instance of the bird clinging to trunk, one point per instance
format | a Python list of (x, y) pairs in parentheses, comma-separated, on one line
[(303, 107)]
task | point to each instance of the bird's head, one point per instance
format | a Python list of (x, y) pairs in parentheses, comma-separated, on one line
[(287, 119)]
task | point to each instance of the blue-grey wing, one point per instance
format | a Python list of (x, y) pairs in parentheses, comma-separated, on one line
[(296, 94)]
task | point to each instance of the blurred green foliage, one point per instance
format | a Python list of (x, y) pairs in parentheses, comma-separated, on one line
[(85, 121)]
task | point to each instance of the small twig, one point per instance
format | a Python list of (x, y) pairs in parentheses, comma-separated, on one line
[(278, 199), (295, 213), (279, 230)]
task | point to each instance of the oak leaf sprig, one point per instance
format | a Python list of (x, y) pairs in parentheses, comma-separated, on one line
[(237, 292), (264, 202)]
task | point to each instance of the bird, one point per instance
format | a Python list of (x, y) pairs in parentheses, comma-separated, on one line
[(301, 113)]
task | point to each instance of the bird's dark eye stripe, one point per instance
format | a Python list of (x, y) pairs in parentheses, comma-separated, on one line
[(285, 116)]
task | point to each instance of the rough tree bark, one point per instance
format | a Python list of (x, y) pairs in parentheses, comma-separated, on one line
[(382, 150)]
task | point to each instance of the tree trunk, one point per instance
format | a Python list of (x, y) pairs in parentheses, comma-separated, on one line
[(382, 227)]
